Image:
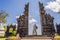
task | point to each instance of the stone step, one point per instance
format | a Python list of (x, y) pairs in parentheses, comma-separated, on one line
[(36, 38)]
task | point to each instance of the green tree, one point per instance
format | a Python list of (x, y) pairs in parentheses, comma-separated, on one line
[(3, 16), (59, 12)]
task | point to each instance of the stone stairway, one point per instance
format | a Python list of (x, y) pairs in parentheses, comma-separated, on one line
[(36, 38)]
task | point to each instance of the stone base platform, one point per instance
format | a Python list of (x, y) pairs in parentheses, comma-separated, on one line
[(36, 38)]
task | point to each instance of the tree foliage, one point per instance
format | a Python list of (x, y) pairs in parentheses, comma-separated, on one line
[(3, 16), (59, 12)]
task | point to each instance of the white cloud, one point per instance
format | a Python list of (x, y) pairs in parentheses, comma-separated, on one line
[(54, 6), (14, 23), (58, 1), (32, 21), (17, 16)]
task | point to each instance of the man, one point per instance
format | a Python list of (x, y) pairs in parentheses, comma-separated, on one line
[(35, 29)]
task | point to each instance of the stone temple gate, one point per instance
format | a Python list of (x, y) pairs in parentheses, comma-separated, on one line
[(46, 22)]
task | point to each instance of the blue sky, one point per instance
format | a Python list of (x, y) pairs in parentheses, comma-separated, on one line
[(16, 8)]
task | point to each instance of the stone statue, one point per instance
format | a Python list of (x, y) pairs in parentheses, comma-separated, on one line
[(35, 29)]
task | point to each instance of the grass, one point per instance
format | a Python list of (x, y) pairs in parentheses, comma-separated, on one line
[(2, 38), (11, 37)]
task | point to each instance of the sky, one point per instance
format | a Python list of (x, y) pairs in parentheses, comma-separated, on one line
[(16, 8)]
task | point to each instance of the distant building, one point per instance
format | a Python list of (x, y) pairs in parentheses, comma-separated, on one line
[(23, 22), (46, 22), (2, 31), (58, 28)]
